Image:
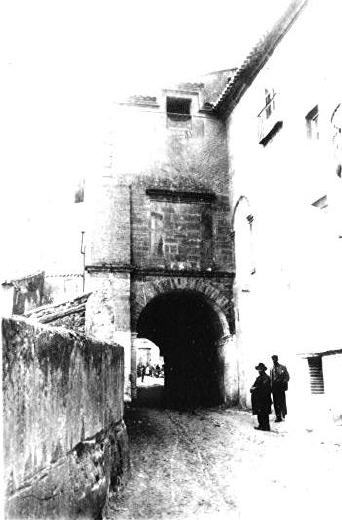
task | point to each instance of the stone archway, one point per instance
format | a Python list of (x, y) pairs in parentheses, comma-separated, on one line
[(187, 319), (144, 291)]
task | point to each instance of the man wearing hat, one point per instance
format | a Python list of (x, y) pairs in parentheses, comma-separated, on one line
[(261, 398), (279, 384)]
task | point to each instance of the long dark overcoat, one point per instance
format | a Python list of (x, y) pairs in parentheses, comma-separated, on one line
[(261, 395)]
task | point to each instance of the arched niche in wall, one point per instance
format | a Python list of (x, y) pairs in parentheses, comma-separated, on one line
[(334, 195), (336, 137), (243, 238)]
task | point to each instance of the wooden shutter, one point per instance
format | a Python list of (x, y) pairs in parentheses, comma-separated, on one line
[(316, 375)]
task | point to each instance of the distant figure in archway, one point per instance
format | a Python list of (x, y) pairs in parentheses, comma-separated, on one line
[(261, 398), (189, 331), (279, 384)]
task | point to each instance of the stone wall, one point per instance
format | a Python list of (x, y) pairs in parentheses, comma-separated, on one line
[(183, 228), (65, 443), (108, 313), (110, 223), (153, 164), (144, 141)]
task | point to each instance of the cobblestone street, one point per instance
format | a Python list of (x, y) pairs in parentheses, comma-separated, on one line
[(212, 463)]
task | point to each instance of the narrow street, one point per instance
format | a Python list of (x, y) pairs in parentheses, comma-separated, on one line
[(211, 463)]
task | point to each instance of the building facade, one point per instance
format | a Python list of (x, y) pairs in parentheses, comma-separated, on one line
[(159, 253), (283, 107), (215, 227)]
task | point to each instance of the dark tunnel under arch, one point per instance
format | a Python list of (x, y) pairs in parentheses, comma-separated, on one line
[(188, 329)]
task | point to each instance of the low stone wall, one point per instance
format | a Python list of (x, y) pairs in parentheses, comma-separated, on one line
[(65, 442)]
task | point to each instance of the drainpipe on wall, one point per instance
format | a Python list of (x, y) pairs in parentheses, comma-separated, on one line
[(83, 253)]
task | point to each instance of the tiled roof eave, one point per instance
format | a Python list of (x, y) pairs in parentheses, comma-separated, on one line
[(231, 96), (255, 60)]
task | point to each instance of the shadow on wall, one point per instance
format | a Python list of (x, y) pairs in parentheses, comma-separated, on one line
[(65, 442)]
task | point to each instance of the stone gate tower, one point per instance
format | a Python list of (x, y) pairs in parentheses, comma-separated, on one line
[(160, 263)]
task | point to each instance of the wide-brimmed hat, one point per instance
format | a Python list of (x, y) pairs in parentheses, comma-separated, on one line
[(261, 366)]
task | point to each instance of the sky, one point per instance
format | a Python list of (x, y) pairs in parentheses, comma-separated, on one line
[(66, 61), (127, 41)]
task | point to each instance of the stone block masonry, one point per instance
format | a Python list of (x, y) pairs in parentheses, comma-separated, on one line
[(171, 225), (108, 313), (111, 226), (65, 442)]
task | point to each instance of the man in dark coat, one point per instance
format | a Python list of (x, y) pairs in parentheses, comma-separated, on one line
[(279, 384), (261, 398)]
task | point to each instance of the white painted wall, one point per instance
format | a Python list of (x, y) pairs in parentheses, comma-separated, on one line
[(292, 303)]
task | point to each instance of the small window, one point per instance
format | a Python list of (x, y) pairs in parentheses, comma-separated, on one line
[(157, 234), (316, 375), (178, 109), (269, 123), (312, 123), (269, 103)]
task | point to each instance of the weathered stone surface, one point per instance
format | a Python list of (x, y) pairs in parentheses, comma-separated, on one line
[(108, 313), (148, 156), (77, 484), (64, 440), (110, 224), (108, 308), (26, 293)]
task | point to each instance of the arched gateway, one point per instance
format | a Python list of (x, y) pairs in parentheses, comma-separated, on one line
[(187, 319), (143, 291), (160, 266)]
